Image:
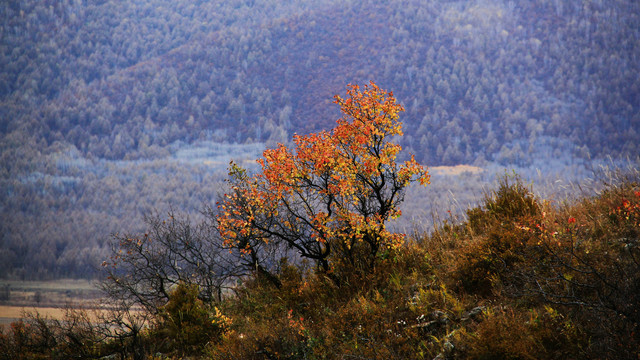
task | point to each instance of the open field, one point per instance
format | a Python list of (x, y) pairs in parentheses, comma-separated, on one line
[(9, 314), (47, 297)]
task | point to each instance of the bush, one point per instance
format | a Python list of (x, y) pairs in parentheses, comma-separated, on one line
[(497, 248), (186, 325), (508, 333)]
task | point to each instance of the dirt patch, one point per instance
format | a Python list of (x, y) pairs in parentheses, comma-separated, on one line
[(455, 170), (9, 314), (16, 312)]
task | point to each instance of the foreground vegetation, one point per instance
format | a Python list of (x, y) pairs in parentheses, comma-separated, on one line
[(297, 263), (521, 278)]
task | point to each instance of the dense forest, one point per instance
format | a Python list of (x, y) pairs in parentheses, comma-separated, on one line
[(111, 109)]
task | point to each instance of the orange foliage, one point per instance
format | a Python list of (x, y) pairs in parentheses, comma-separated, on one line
[(335, 190)]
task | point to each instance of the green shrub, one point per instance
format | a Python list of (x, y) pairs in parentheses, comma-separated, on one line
[(186, 325)]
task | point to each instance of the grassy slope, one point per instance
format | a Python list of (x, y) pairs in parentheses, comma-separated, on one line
[(522, 279)]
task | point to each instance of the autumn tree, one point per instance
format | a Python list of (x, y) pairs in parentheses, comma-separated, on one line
[(329, 198)]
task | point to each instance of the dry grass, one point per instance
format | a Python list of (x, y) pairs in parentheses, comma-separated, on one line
[(9, 314)]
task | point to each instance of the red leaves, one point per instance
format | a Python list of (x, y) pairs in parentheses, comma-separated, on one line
[(629, 210)]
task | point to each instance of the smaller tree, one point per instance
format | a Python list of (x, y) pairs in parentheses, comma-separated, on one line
[(329, 199), (144, 268), (168, 276)]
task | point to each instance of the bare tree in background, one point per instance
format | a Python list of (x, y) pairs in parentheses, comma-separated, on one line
[(143, 268)]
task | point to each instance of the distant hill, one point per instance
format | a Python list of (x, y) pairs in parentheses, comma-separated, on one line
[(487, 80)]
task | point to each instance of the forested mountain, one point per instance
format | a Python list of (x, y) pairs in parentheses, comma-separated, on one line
[(112, 108)]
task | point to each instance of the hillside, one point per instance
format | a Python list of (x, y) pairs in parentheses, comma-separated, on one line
[(523, 278), (509, 77), (112, 109)]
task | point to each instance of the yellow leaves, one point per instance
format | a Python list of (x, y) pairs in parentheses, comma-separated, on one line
[(220, 319), (395, 213)]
